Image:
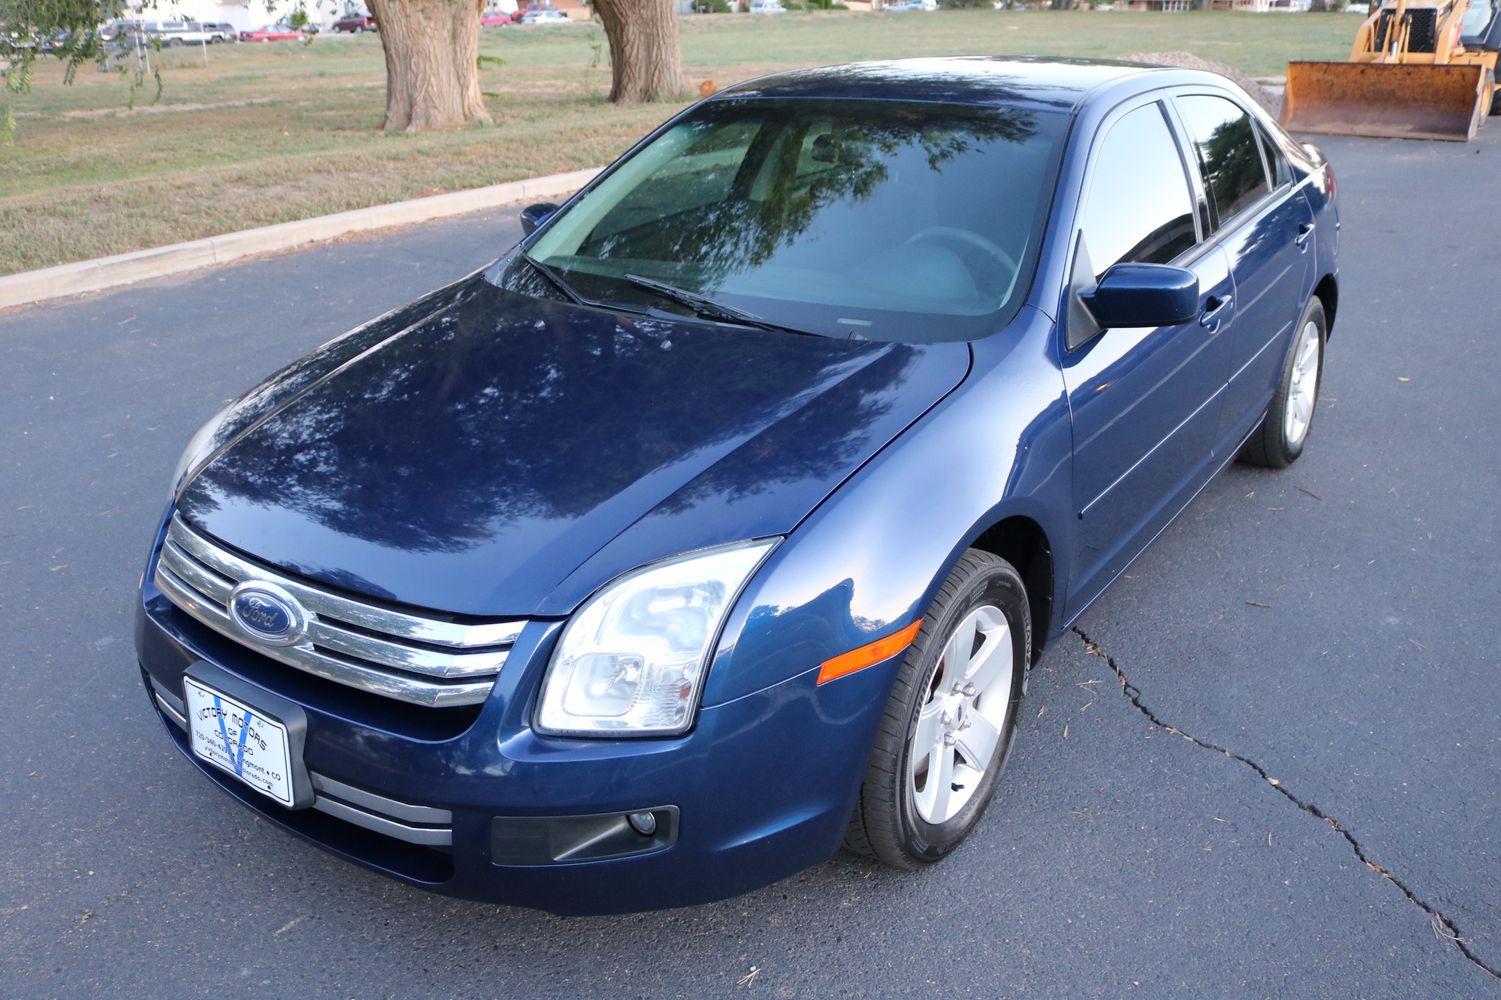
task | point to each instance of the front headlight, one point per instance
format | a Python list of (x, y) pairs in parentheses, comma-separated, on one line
[(632, 660), (200, 445)]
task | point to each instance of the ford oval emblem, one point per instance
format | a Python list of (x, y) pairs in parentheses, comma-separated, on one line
[(267, 613)]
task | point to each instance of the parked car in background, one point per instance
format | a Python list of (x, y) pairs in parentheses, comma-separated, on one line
[(534, 5), (545, 17), (496, 19), (903, 5), (274, 33), (767, 7), (52, 43), (351, 23)]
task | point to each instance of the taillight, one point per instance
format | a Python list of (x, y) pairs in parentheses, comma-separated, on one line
[(1329, 175)]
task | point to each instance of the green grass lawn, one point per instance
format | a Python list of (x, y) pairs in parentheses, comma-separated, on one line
[(272, 133)]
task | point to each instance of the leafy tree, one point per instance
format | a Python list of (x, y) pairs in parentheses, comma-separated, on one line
[(646, 59), (432, 63), (67, 30)]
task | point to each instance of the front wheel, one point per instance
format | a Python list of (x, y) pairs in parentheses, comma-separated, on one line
[(950, 720), (1279, 440)]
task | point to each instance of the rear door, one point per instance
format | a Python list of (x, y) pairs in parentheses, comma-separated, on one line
[(1266, 228), (1144, 401)]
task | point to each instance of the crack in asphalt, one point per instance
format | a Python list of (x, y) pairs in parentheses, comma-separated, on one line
[(1443, 926)]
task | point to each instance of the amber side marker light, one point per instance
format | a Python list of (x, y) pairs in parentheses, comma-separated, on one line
[(868, 655)]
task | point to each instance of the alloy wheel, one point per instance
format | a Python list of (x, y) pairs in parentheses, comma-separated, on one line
[(960, 723), (1302, 392)]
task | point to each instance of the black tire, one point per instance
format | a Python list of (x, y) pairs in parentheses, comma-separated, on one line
[(1495, 94), (1270, 445), (886, 824)]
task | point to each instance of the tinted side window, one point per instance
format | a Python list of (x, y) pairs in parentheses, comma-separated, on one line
[(1229, 154), (1139, 208)]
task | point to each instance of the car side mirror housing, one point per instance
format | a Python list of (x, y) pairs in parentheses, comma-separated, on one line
[(533, 216), (1143, 295)]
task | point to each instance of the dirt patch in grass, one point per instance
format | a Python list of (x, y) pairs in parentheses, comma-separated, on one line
[(163, 109)]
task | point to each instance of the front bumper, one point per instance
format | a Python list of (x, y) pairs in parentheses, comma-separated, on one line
[(449, 800)]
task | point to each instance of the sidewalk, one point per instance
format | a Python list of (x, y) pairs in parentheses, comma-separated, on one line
[(123, 269)]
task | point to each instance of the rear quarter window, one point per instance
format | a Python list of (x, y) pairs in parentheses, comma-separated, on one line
[(1276, 160)]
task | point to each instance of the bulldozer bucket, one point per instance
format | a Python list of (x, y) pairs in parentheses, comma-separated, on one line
[(1395, 100)]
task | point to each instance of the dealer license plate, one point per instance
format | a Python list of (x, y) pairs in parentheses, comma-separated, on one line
[(239, 740)]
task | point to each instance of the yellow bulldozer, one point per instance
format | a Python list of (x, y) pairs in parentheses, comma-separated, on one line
[(1419, 69)]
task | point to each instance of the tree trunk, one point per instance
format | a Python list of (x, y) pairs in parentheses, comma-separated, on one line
[(646, 61), (432, 78)]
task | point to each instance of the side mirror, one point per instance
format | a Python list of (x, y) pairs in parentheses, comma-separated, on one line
[(1144, 295), (533, 216)]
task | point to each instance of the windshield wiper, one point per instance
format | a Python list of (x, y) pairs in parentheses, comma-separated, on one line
[(706, 308), (556, 280)]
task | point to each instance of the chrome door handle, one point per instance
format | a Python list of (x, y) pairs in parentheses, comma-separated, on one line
[(1209, 319), (1304, 231)]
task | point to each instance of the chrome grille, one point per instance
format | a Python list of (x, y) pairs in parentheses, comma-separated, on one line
[(425, 661)]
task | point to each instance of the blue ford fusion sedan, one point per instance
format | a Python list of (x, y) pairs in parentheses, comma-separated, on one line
[(717, 524)]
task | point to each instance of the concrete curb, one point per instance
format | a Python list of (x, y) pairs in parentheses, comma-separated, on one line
[(123, 269)]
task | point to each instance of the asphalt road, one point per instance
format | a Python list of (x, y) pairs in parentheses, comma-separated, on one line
[(1120, 859)]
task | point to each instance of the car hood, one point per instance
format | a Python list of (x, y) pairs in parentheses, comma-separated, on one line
[(472, 455)]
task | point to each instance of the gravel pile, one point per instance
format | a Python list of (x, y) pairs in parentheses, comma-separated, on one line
[(1187, 60)]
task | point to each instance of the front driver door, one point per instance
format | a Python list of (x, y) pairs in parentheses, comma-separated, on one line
[(1144, 402)]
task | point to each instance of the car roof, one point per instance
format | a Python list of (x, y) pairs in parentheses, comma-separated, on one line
[(1006, 81)]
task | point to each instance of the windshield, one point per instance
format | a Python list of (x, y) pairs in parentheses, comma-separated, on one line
[(897, 222), (1477, 16)]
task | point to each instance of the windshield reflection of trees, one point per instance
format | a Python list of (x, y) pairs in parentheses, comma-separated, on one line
[(505, 412), (798, 167), (1236, 177)]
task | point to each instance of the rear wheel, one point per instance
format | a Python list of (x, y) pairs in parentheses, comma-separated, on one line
[(1279, 440), (949, 723)]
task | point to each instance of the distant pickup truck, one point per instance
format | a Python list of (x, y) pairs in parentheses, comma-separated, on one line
[(221, 31), (129, 33), (173, 33)]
